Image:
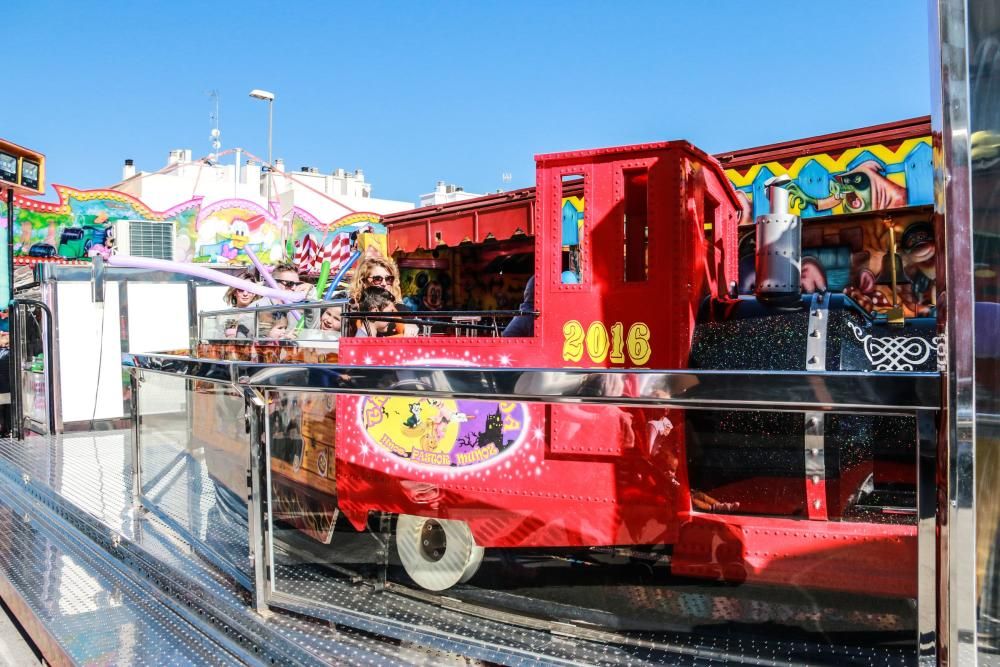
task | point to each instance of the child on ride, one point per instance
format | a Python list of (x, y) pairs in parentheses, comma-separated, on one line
[(380, 300)]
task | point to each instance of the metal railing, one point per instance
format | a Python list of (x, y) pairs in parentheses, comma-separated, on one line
[(913, 394)]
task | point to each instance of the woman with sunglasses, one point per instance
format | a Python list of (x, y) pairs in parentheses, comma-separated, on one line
[(239, 327), (375, 272), (286, 275)]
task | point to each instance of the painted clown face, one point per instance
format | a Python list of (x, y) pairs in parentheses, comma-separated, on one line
[(854, 189)]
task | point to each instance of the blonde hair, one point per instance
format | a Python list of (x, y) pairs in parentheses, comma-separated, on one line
[(230, 295), (364, 270)]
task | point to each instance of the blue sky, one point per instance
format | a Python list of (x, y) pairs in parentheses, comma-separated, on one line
[(457, 91)]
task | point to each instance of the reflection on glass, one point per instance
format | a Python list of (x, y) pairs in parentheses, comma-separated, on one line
[(195, 447), (630, 521), (984, 84)]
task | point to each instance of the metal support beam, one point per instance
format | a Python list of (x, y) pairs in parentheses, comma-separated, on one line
[(956, 595), (257, 507)]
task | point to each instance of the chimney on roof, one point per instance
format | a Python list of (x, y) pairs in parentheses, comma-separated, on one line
[(128, 171)]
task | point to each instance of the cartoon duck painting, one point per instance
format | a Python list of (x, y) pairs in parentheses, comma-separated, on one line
[(231, 243), (238, 237)]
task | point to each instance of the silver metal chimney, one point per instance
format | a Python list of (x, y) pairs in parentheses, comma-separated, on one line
[(779, 247)]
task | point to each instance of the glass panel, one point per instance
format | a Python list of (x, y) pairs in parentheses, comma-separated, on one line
[(294, 322), (194, 451), (317, 553), (34, 382), (572, 228), (984, 78), (655, 527)]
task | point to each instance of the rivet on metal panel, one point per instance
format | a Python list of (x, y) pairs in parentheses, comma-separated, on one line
[(815, 479), (814, 452), (816, 503)]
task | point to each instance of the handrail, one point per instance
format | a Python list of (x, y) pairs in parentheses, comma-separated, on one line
[(883, 393)]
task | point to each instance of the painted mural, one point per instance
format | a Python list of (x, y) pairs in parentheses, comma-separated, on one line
[(469, 277), (866, 178), (217, 233), (852, 256)]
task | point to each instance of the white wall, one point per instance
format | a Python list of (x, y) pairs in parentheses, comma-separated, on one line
[(157, 322), (90, 360)]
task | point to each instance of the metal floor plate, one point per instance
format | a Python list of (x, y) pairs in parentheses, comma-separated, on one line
[(88, 477), (97, 615), (102, 509)]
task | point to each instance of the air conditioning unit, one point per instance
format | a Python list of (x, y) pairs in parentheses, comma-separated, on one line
[(145, 238)]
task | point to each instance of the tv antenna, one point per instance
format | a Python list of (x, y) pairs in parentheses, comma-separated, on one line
[(215, 136)]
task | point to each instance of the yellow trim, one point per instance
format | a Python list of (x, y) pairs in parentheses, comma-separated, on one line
[(827, 161)]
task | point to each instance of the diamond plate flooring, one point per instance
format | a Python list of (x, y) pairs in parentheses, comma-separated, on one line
[(85, 479)]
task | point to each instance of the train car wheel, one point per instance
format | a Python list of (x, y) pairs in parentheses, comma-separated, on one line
[(437, 553)]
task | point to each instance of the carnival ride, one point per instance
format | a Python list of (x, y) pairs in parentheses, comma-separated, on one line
[(811, 498)]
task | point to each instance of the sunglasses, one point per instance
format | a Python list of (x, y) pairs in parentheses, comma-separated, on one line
[(379, 280), (289, 283)]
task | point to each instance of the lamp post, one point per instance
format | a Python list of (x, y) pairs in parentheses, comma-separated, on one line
[(268, 97)]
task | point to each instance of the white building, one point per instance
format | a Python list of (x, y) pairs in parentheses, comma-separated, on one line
[(325, 196), (446, 194)]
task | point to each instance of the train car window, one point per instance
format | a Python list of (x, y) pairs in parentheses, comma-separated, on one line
[(713, 255), (572, 231), (708, 213), (635, 221)]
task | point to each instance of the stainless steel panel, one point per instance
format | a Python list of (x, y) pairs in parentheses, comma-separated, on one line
[(956, 521), (884, 393)]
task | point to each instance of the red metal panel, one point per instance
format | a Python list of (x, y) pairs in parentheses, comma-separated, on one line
[(879, 559), (452, 231), (409, 236), (503, 223)]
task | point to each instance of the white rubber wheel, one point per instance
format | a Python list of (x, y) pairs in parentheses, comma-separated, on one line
[(437, 553)]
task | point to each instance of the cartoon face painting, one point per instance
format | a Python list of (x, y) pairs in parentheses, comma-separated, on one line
[(442, 432)]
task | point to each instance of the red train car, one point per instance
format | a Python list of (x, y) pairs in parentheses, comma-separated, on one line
[(644, 279), (654, 252)]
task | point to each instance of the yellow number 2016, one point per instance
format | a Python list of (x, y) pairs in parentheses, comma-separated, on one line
[(572, 341), (617, 343), (598, 343), (638, 343)]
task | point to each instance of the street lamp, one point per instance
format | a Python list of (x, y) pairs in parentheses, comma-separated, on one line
[(268, 97)]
